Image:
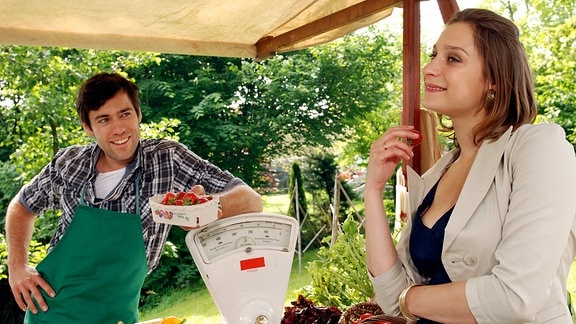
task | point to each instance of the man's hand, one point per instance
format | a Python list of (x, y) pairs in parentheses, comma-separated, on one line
[(199, 190), (26, 283)]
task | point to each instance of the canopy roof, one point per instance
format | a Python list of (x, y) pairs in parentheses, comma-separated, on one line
[(233, 28)]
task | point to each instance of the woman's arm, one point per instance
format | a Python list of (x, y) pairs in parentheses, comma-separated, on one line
[(387, 273)]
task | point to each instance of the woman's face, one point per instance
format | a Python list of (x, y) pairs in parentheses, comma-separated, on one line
[(453, 80)]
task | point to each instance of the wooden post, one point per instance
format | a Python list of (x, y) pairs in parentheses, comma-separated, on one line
[(297, 212), (448, 8), (411, 72)]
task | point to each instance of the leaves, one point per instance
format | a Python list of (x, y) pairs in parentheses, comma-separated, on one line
[(339, 276)]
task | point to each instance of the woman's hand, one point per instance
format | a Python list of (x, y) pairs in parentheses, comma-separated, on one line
[(394, 146), (386, 152)]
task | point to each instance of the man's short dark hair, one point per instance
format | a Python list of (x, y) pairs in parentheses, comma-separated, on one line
[(95, 91)]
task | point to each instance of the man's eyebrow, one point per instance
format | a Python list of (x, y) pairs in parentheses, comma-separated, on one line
[(101, 116), (119, 112)]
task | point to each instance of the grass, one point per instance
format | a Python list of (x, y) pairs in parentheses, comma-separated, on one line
[(276, 203), (195, 303)]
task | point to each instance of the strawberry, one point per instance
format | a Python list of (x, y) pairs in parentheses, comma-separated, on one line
[(365, 316), (416, 141), (180, 195), (168, 199), (204, 199), (190, 198), (183, 198)]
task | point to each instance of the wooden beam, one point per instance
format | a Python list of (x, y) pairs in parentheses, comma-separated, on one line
[(411, 72), (448, 8), (267, 46)]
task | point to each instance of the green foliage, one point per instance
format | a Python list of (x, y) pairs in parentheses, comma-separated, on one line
[(548, 31), (239, 113), (556, 92), (339, 275), (10, 182), (164, 128), (372, 84), (176, 270), (322, 173), (37, 252), (297, 178)]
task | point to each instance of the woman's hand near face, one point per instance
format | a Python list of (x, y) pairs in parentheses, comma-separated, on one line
[(385, 154)]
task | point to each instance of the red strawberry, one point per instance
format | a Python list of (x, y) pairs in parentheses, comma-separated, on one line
[(416, 141), (365, 316), (168, 199), (204, 199), (179, 202), (180, 195), (190, 198)]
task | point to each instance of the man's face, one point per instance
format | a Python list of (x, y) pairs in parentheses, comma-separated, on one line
[(116, 128)]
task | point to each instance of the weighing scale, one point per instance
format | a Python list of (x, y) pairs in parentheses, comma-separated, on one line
[(245, 262)]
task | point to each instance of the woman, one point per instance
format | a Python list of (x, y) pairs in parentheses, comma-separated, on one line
[(492, 232)]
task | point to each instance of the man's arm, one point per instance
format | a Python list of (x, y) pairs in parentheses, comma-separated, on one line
[(23, 279), (240, 200)]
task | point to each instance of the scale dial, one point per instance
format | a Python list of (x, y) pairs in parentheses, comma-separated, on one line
[(230, 235)]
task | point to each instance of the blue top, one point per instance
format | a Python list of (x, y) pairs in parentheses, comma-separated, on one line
[(426, 245)]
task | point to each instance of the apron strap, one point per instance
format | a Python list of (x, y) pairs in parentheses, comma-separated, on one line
[(137, 187)]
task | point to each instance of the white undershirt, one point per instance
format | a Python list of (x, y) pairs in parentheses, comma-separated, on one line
[(107, 181)]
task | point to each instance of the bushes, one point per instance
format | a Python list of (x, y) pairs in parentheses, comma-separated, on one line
[(176, 270)]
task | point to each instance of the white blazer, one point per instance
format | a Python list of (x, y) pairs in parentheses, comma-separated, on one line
[(512, 233)]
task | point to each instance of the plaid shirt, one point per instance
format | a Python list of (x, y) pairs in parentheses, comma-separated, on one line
[(164, 166)]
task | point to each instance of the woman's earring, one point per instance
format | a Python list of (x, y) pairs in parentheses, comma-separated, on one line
[(490, 95)]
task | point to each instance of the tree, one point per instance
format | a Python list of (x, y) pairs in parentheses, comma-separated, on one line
[(239, 113), (552, 45), (296, 186), (548, 31)]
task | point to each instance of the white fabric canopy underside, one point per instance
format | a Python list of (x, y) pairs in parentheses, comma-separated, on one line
[(233, 28)]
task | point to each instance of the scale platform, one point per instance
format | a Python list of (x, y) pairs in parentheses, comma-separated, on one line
[(245, 262)]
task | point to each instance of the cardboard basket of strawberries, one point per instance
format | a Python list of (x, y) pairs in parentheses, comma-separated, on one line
[(184, 209)]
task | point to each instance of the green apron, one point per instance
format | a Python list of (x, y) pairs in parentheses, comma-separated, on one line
[(97, 269)]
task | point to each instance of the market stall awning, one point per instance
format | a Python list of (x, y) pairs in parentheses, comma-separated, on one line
[(233, 28)]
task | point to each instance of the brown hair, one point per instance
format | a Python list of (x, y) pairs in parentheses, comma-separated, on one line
[(506, 66), (95, 91)]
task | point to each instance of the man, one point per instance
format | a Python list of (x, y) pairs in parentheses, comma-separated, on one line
[(106, 241)]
